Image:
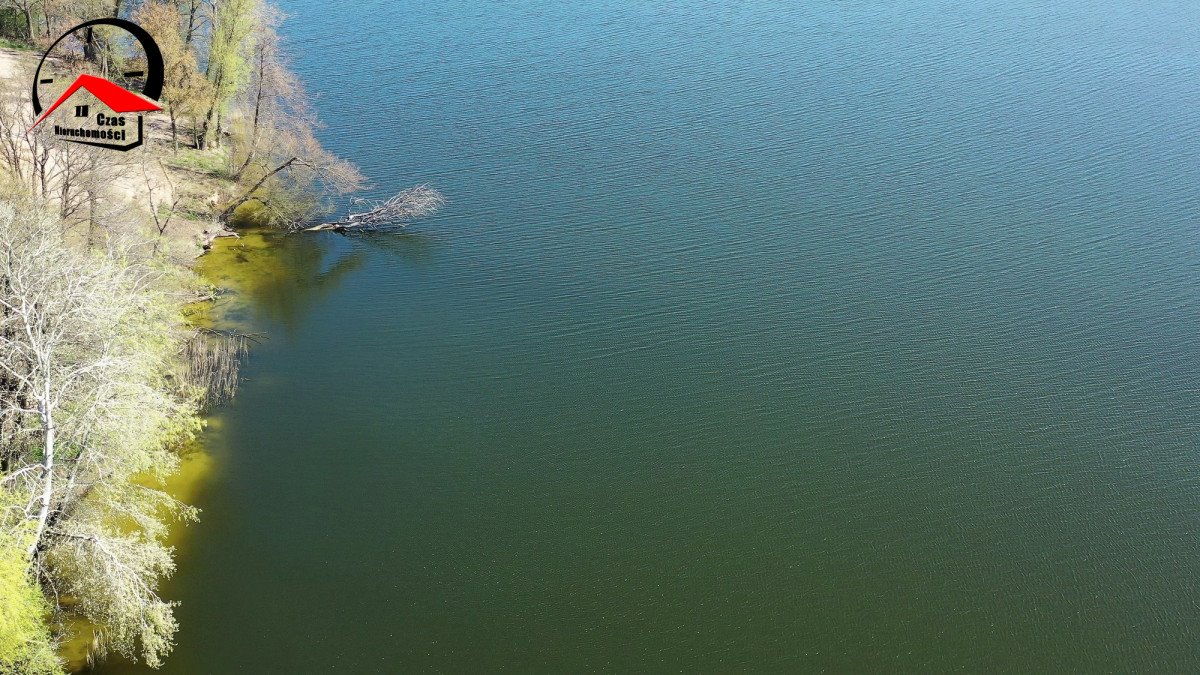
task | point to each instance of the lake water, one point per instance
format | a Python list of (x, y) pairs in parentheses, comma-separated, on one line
[(756, 335)]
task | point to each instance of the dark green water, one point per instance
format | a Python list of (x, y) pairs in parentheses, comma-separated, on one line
[(767, 335)]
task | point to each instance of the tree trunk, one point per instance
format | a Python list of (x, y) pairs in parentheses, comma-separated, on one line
[(91, 236), (205, 137), (28, 24), (258, 97), (249, 158), (47, 479), (253, 143), (206, 127), (216, 78), (224, 217), (191, 23), (89, 45)]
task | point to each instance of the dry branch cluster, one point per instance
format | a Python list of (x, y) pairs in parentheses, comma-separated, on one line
[(213, 360), (404, 206)]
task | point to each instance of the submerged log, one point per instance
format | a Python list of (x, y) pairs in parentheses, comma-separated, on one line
[(405, 205), (323, 227), (210, 237)]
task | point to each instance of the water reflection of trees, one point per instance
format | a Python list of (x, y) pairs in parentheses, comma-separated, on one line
[(277, 278), (414, 248)]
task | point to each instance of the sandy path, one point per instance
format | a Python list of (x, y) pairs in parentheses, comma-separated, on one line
[(134, 174), (8, 62)]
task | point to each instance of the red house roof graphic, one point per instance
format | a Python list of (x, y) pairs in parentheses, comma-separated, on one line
[(121, 100)]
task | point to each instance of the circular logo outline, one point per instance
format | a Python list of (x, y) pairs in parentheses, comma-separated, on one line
[(154, 60)]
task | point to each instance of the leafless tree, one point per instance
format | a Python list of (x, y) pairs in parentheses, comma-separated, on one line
[(294, 187), (15, 117), (162, 206), (80, 179), (46, 300), (26, 155), (396, 211)]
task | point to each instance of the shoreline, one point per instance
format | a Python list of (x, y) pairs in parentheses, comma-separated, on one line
[(222, 164), (188, 240)]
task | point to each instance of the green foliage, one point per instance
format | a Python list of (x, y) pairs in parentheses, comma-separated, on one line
[(208, 162), (107, 574), (85, 335), (7, 43), (185, 90), (25, 645), (92, 345), (12, 25), (230, 46)]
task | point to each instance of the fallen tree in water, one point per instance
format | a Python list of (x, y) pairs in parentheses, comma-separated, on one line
[(212, 235), (392, 213)]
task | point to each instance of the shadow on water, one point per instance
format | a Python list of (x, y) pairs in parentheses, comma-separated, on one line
[(265, 280), (274, 277), (413, 248)]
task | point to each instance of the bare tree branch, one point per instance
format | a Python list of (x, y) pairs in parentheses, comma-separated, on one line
[(414, 202)]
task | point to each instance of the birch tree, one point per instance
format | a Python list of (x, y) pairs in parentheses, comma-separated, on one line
[(87, 355)]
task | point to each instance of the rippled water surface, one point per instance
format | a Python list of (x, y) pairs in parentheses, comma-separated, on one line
[(772, 335)]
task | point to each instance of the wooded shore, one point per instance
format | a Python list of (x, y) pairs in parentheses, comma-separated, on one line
[(108, 357)]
